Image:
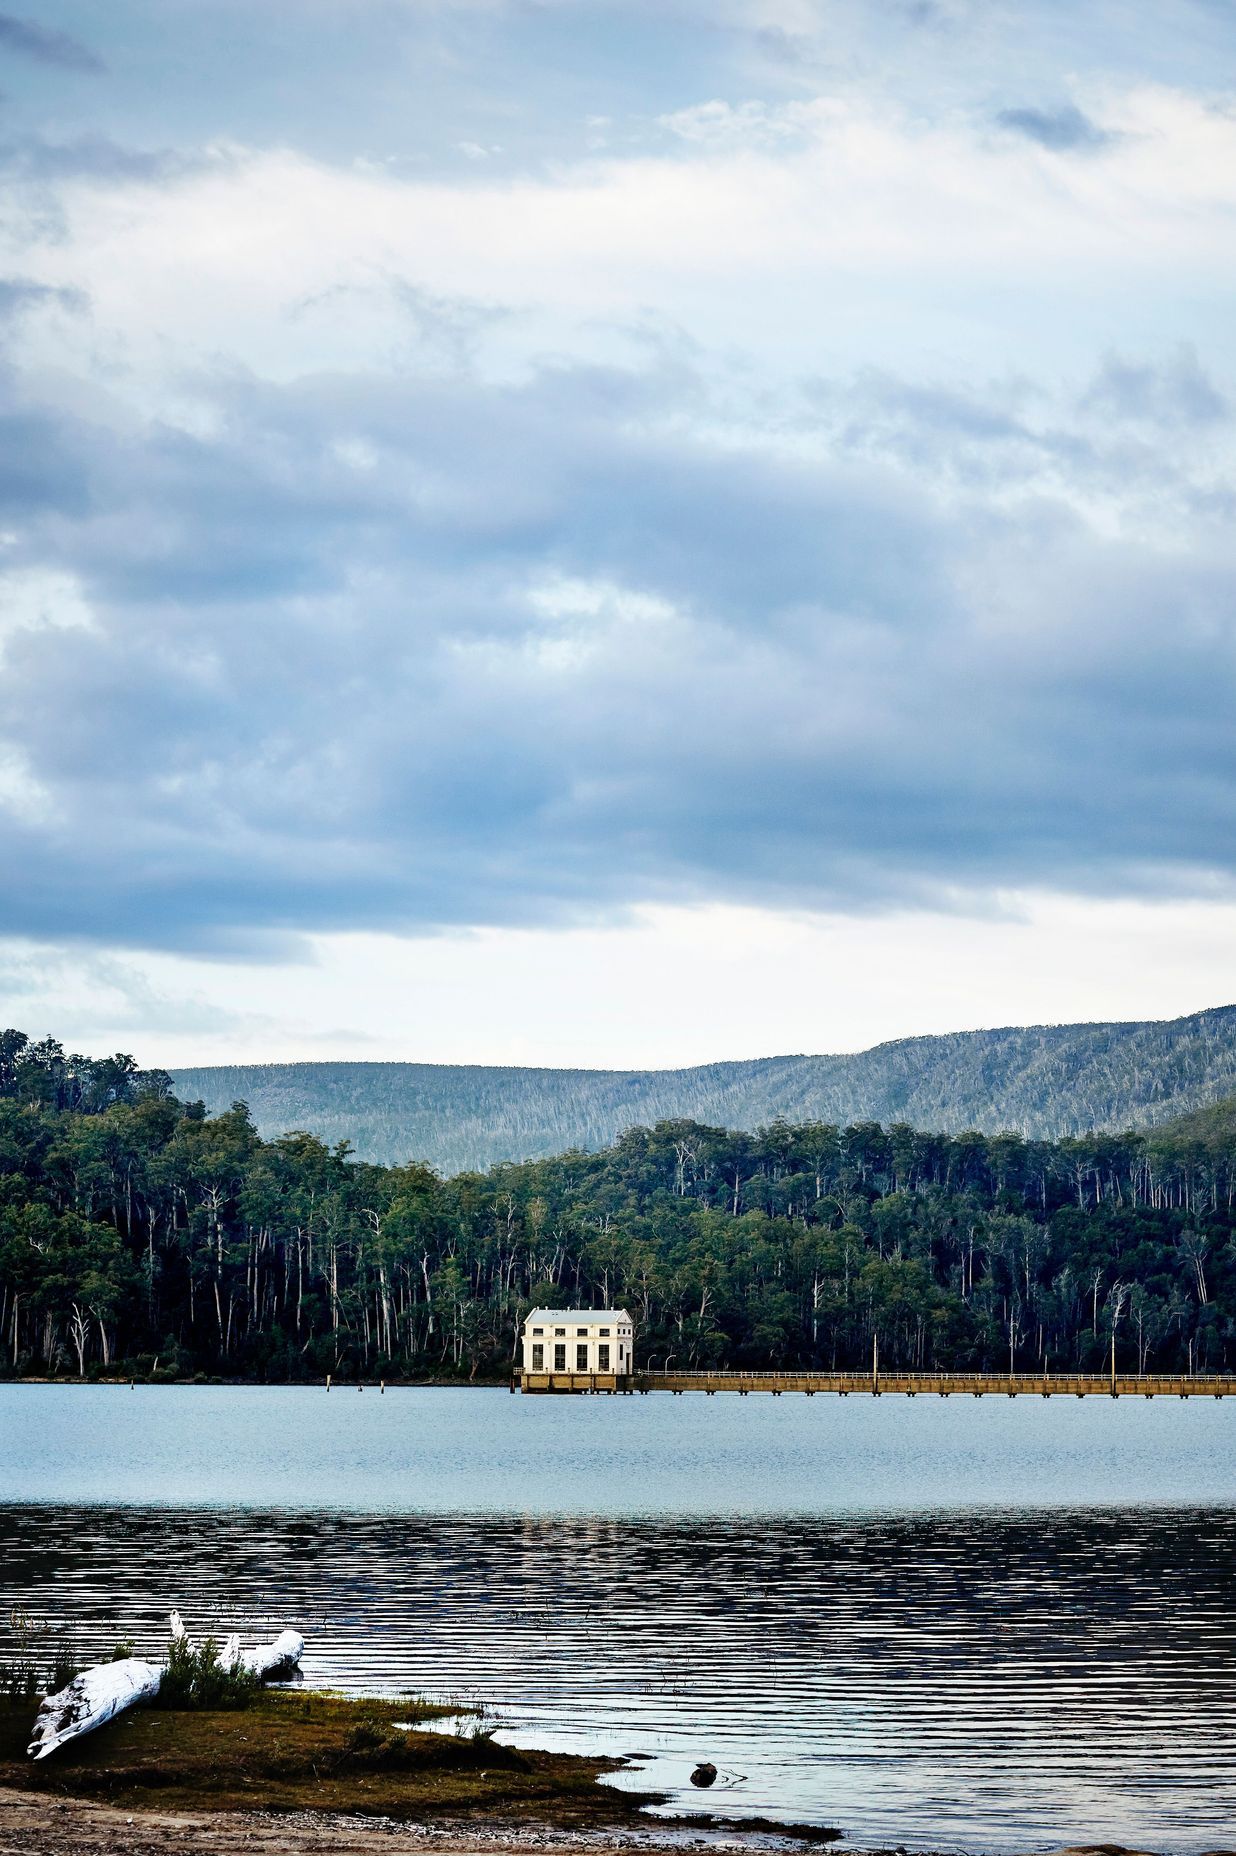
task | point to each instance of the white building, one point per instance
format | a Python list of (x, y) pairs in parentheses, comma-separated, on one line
[(579, 1340)]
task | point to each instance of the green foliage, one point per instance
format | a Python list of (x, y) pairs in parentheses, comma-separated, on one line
[(144, 1237), (64, 1666), (195, 1678), (36, 1657), (371, 1743), (46, 1075), (381, 1746)]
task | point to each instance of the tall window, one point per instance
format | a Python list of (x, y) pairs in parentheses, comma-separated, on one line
[(538, 1357), (560, 1356), (581, 1357), (603, 1356)]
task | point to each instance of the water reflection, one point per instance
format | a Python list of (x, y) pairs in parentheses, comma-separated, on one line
[(997, 1679)]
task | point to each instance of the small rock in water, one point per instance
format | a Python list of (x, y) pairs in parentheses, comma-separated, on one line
[(704, 1773)]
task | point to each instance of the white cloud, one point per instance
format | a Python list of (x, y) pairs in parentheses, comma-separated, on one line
[(674, 986), (723, 126), (36, 598), (865, 218), (21, 794)]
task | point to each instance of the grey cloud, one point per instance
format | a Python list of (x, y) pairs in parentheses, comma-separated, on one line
[(1006, 436), (21, 293), (47, 47), (44, 470), (929, 13), (1178, 392), (96, 157), (1064, 129), (343, 673)]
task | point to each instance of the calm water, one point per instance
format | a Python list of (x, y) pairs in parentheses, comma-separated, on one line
[(983, 1625)]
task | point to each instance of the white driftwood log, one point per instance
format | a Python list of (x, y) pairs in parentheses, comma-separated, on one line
[(100, 1694), (269, 1660), (95, 1696)]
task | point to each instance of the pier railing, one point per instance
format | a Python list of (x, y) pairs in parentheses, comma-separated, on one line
[(975, 1384), (876, 1382)]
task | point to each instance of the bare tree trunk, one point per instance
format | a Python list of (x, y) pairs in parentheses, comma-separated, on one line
[(77, 1332)]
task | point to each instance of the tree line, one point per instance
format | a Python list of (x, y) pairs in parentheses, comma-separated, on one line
[(140, 1235)]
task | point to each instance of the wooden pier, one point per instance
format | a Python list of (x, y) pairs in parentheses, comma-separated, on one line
[(877, 1383)]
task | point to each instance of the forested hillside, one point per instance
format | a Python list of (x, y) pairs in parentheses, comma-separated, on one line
[(1043, 1081), (140, 1234)]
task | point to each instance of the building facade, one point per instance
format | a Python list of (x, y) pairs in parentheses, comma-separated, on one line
[(572, 1344)]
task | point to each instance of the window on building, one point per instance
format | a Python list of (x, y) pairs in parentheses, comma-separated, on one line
[(581, 1331), (559, 1330), (538, 1330), (538, 1357), (560, 1356), (605, 1332), (603, 1356), (581, 1357)]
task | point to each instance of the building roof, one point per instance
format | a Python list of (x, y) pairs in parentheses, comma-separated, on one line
[(562, 1317)]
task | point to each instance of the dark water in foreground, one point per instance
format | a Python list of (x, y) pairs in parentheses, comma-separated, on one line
[(986, 1625)]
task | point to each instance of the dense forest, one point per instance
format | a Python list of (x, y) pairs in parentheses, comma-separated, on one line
[(1042, 1081), (140, 1235)]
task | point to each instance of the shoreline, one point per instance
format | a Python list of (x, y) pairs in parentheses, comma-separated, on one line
[(290, 1749), (314, 1774), (200, 1383), (35, 1824)]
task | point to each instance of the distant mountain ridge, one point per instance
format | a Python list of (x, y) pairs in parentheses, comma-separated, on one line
[(1044, 1081)]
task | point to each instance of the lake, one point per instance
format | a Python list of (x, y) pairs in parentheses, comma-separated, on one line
[(991, 1625)]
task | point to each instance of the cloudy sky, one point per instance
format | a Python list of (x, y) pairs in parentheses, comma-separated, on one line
[(555, 531)]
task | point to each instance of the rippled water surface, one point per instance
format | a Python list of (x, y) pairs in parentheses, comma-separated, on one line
[(989, 1625)]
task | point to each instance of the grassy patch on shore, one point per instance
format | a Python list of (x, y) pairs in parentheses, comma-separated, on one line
[(295, 1751)]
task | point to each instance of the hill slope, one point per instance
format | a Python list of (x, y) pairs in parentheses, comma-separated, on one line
[(1213, 1127), (1043, 1080)]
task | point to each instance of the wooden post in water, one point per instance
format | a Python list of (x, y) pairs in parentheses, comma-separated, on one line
[(328, 1382)]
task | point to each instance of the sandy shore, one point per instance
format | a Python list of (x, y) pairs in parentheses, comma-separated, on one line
[(40, 1826), (35, 1825), (32, 1825)]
